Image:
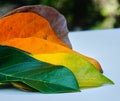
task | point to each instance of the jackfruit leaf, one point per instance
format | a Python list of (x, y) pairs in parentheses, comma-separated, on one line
[(86, 73), (18, 66)]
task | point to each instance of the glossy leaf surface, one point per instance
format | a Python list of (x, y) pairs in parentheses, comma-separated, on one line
[(18, 66)]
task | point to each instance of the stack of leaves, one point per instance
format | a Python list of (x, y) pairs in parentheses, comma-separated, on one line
[(36, 54)]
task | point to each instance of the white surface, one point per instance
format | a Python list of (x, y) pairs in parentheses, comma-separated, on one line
[(102, 45)]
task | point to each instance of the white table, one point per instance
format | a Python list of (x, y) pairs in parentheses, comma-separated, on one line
[(102, 45)]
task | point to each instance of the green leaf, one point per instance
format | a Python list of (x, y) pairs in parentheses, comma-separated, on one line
[(18, 66)]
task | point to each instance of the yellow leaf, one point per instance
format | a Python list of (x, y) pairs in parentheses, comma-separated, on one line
[(86, 74)]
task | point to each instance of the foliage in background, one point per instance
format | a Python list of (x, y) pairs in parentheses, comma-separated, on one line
[(81, 14)]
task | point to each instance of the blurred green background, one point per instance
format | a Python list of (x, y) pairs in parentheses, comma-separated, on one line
[(80, 14)]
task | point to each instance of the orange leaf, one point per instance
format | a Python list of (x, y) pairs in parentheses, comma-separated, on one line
[(22, 25), (36, 45), (56, 20)]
